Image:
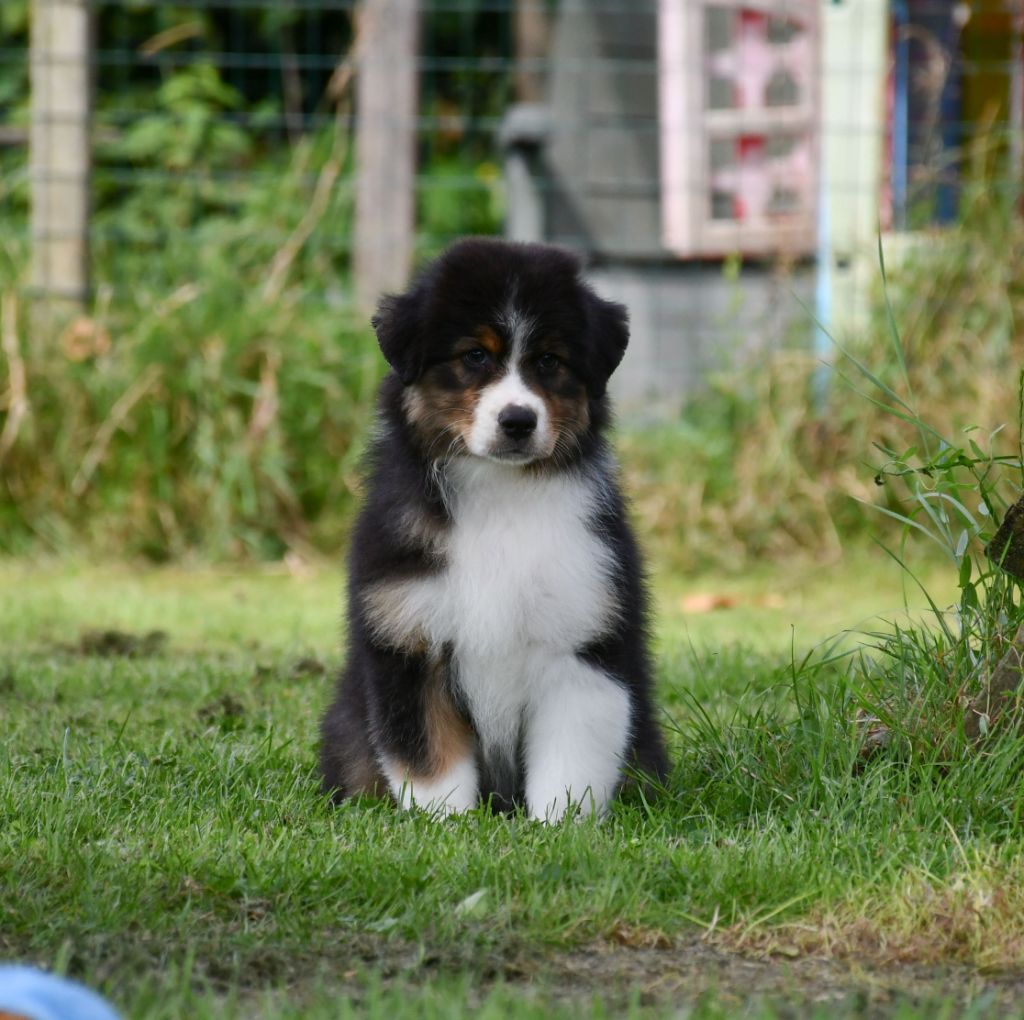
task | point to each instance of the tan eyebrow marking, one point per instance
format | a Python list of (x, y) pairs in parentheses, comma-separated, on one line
[(489, 340)]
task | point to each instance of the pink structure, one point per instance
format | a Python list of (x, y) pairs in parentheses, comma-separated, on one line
[(738, 126)]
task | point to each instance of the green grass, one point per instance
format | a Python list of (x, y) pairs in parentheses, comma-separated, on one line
[(280, 609), (161, 833)]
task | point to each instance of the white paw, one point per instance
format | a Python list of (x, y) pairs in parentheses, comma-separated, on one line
[(453, 792), (555, 808)]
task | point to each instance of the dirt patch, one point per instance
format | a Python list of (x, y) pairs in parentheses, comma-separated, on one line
[(973, 918), (692, 968), (681, 973), (307, 666), (119, 644), (227, 712), (8, 682)]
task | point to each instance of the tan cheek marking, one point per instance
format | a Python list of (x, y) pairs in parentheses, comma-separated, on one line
[(569, 416), (439, 417), (414, 404), (466, 422), (451, 420)]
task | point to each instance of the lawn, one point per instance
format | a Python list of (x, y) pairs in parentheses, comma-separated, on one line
[(163, 838)]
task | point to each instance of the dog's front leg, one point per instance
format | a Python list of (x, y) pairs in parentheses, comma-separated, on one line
[(426, 747), (576, 738)]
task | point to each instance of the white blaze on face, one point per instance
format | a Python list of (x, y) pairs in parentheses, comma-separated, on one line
[(486, 436)]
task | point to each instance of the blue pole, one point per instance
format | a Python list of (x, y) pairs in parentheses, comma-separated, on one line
[(900, 114)]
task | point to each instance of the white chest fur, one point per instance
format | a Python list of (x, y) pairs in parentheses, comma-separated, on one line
[(526, 584), (525, 570)]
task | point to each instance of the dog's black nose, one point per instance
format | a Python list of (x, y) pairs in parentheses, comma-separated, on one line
[(517, 422)]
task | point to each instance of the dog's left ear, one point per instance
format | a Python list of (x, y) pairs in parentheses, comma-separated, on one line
[(608, 332), (400, 334)]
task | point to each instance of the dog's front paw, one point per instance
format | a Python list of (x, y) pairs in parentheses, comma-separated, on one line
[(556, 806), (452, 792)]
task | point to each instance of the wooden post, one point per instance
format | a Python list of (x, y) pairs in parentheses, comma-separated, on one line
[(386, 95), (59, 142), (531, 26), (1017, 102)]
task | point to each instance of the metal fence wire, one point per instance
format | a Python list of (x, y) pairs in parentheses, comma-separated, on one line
[(203, 109), (691, 150)]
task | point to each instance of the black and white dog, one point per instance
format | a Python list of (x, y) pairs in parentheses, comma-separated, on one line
[(497, 644)]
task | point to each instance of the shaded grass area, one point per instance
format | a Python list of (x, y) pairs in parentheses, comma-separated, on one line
[(280, 608), (162, 834)]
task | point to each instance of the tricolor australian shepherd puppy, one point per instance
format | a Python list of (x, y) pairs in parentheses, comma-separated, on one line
[(497, 645)]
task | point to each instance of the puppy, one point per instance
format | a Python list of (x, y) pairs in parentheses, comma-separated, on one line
[(497, 643)]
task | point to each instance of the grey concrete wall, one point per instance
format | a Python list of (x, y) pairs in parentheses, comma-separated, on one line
[(602, 181), (688, 321)]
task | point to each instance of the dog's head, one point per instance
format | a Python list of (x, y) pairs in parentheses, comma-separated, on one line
[(502, 350)]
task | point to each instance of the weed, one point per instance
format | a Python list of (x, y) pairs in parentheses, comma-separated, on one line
[(761, 466)]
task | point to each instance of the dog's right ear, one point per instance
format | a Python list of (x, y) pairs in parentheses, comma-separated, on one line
[(399, 332)]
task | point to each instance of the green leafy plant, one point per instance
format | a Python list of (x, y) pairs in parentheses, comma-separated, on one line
[(186, 127), (953, 489)]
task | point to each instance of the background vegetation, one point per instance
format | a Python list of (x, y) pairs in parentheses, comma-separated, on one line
[(213, 398), (196, 409), (161, 831)]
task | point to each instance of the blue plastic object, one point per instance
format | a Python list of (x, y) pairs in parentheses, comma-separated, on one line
[(35, 995)]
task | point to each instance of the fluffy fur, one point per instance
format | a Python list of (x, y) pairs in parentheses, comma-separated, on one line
[(496, 606)]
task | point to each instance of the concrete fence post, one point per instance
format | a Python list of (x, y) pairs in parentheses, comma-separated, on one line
[(59, 146)]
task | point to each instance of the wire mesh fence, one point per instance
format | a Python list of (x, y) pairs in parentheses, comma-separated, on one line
[(224, 117), (661, 138)]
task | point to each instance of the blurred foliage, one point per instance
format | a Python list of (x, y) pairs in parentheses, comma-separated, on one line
[(14, 26), (207, 418), (763, 466), (214, 397), (462, 198), (209, 400), (189, 412), (13, 66), (186, 129)]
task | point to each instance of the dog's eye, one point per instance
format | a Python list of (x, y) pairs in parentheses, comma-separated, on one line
[(476, 358), (547, 363)]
